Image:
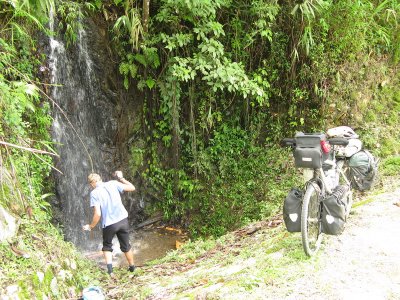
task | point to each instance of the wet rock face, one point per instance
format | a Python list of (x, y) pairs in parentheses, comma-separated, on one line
[(90, 101)]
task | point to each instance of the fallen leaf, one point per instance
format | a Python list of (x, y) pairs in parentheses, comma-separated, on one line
[(178, 244), (174, 229), (36, 238)]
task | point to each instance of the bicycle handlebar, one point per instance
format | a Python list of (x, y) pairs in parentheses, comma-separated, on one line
[(286, 142), (291, 142)]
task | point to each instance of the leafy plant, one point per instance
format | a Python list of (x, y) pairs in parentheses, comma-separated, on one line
[(129, 24), (72, 13), (228, 67)]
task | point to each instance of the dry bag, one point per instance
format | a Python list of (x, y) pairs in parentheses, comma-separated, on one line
[(292, 210), (363, 170), (334, 211)]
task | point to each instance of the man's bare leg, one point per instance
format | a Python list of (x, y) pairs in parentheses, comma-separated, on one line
[(129, 258), (108, 258)]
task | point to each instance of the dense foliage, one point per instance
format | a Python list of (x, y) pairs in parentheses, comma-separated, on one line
[(221, 81), (37, 263), (224, 80)]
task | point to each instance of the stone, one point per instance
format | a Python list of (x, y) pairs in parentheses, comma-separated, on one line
[(8, 225)]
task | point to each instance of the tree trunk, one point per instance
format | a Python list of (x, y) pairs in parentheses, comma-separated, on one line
[(175, 129), (146, 12)]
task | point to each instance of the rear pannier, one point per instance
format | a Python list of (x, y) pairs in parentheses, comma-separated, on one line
[(334, 211), (308, 152), (292, 210), (363, 170)]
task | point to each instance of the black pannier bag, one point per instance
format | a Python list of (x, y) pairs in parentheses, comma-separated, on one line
[(308, 152), (334, 211), (292, 210), (363, 170)]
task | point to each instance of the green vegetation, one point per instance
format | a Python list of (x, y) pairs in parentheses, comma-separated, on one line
[(235, 263), (37, 263), (222, 82), (391, 166)]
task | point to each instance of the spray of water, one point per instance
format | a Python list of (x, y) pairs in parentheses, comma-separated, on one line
[(82, 129)]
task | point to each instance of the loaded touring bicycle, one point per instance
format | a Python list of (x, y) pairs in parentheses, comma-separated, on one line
[(334, 162)]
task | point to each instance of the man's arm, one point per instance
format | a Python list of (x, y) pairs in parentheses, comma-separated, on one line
[(127, 186), (95, 219), (96, 216)]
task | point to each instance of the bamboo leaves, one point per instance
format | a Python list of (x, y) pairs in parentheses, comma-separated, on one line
[(130, 23), (308, 8), (24, 117), (308, 11)]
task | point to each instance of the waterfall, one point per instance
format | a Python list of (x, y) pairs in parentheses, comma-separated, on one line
[(83, 130)]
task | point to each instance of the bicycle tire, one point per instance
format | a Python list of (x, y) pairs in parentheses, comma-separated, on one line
[(343, 165), (311, 228), (349, 202)]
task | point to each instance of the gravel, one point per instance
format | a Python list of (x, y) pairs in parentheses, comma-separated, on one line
[(361, 263)]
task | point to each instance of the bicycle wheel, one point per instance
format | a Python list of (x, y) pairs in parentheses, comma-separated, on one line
[(349, 202), (345, 179), (310, 220)]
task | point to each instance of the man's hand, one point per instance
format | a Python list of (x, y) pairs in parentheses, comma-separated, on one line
[(119, 175), (86, 227), (127, 186)]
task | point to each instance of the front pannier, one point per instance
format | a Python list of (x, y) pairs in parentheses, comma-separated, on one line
[(334, 211), (292, 210), (308, 152), (363, 170)]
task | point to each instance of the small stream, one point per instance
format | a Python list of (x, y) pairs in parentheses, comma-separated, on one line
[(147, 244)]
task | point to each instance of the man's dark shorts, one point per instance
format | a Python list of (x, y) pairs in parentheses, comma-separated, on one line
[(121, 229)]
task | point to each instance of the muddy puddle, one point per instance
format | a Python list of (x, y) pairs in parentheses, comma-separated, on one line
[(147, 244)]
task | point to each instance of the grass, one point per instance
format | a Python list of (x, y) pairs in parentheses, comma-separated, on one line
[(39, 264), (236, 262), (235, 266)]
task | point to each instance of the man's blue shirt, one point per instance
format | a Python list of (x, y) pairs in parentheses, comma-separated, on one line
[(107, 196)]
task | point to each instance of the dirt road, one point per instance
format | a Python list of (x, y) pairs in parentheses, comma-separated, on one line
[(363, 262)]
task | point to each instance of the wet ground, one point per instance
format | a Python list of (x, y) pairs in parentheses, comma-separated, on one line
[(147, 244)]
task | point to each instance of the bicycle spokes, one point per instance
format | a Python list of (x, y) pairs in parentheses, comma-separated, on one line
[(311, 226)]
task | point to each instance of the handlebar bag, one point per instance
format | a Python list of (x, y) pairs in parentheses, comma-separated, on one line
[(308, 152), (334, 211), (292, 210)]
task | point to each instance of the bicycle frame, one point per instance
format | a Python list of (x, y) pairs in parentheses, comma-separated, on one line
[(316, 189)]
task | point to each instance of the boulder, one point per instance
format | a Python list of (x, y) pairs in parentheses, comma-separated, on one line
[(8, 225)]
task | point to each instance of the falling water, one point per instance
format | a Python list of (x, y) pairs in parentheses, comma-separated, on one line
[(83, 130)]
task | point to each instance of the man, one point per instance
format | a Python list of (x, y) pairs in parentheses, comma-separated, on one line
[(107, 205)]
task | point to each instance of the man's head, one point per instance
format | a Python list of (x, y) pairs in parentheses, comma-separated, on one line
[(93, 179)]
